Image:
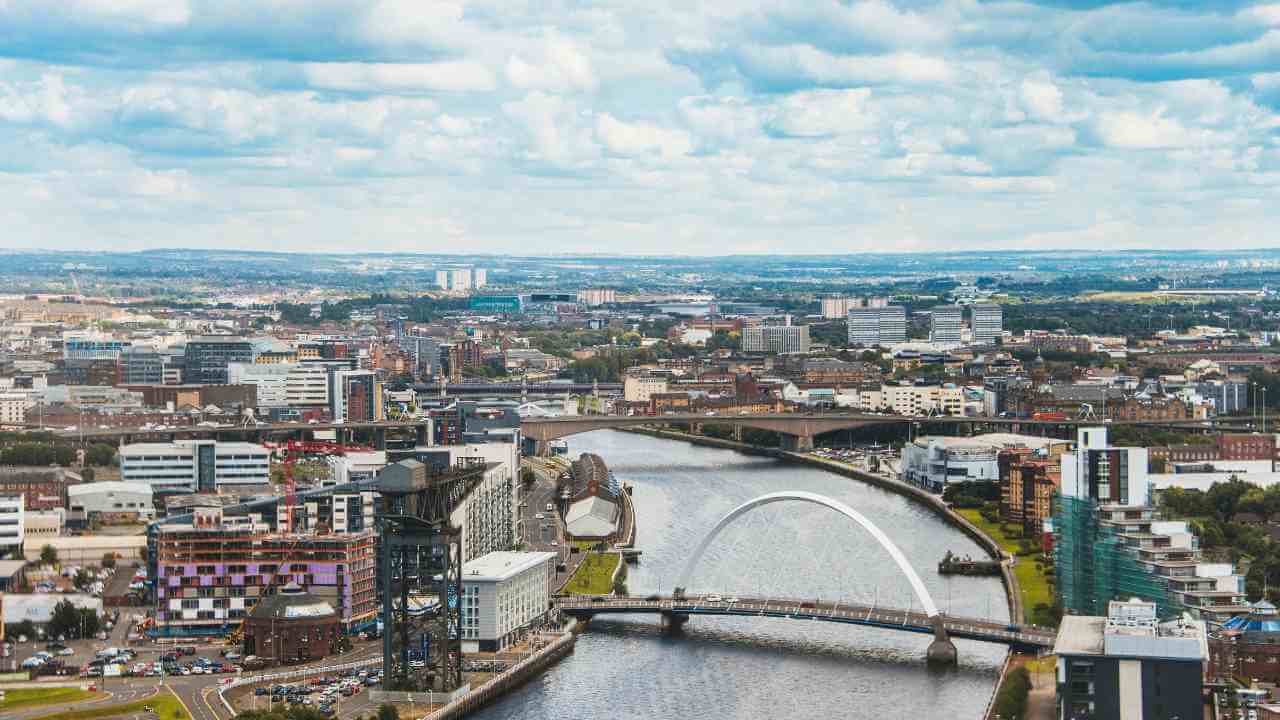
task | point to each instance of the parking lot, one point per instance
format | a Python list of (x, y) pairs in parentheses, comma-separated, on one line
[(333, 695)]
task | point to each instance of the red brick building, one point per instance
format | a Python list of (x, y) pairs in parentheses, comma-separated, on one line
[(42, 488)]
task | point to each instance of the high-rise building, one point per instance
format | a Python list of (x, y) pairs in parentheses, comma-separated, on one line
[(479, 278), (872, 326), (141, 365), (598, 296), (442, 279), (877, 302), (776, 339), (946, 324), (355, 396), (987, 323), (207, 358), (461, 278), (836, 308)]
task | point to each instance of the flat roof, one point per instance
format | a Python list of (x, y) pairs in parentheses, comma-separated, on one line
[(501, 565), (9, 568), (1080, 635), (109, 486)]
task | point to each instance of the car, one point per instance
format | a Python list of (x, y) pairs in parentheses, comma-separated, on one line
[(32, 662), (66, 651), (555, 544), (551, 508), (540, 516), (713, 598), (653, 598), (731, 600)]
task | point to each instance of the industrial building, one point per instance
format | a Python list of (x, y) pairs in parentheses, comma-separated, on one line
[(110, 502), (207, 358), (504, 594), (933, 462), (195, 465)]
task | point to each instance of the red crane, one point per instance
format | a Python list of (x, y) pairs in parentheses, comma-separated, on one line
[(294, 450)]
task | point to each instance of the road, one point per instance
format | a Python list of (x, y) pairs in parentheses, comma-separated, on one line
[(546, 534)]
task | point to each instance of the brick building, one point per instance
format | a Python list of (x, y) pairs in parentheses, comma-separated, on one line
[(42, 488), (1028, 482), (292, 626)]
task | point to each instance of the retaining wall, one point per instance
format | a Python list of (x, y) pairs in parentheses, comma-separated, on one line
[(514, 677)]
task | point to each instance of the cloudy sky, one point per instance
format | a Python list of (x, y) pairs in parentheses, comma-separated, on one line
[(638, 126)]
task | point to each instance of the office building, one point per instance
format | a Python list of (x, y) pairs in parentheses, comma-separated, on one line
[(11, 523), (946, 324), (837, 308), (207, 358), (504, 594), (307, 385), (186, 466), (90, 349), (1130, 666), (211, 574), (271, 381), (1104, 474), (13, 407), (141, 365), (425, 351), (776, 339), (355, 396), (986, 321), (875, 326)]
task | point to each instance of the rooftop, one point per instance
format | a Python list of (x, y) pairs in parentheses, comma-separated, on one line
[(502, 565)]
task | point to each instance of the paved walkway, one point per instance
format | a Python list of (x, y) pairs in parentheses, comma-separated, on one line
[(1040, 701)]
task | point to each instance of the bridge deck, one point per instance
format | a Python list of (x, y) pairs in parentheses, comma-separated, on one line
[(1021, 636)]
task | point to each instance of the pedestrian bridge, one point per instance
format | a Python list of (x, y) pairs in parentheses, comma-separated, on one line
[(1028, 638)]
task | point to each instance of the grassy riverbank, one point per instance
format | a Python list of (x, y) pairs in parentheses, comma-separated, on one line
[(1033, 582), (594, 576), (164, 704), (19, 698)]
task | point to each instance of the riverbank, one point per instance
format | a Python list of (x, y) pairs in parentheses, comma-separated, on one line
[(513, 677), (1008, 578)]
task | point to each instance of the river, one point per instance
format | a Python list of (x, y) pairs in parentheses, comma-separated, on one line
[(749, 668)]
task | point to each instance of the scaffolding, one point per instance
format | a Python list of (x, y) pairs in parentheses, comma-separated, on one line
[(1094, 563)]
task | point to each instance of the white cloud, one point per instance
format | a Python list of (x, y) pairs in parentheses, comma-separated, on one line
[(640, 139), (459, 76), (1042, 99), (819, 113), (560, 66), (1136, 131), (806, 65)]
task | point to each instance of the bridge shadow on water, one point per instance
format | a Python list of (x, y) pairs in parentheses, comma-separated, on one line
[(741, 463), (835, 652)]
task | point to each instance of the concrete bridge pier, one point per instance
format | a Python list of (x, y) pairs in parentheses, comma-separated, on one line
[(941, 651), (542, 448), (797, 443), (674, 621)]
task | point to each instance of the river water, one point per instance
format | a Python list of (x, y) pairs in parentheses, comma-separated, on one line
[(749, 668)]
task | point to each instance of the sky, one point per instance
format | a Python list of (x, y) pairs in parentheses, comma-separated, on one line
[(638, 126)]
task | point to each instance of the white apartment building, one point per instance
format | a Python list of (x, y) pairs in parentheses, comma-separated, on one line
[(837, 308), (986, 320), (11, 522), (195, 465), (908, 400), (271, 380), (946, 324), (639, 387), (489, 513), (307, 385), (933, 462), (776, 339), (504, 594), (13, 407), (597, 296), (877, 325), (1107, 474)]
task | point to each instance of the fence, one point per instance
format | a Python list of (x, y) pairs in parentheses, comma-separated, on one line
[(291, 675)]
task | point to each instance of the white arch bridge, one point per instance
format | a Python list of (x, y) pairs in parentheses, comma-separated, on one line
[(679, 607)]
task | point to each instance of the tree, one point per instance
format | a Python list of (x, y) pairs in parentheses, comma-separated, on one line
[(48, 555), (387, 711), (108, 560), (70, 621)]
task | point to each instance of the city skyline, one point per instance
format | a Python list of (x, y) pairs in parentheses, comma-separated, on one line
[(804, 128)]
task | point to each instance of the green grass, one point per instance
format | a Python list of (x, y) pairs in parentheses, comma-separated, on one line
[(165, 705), (594, 576), (1032, 583), (18, 698)]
